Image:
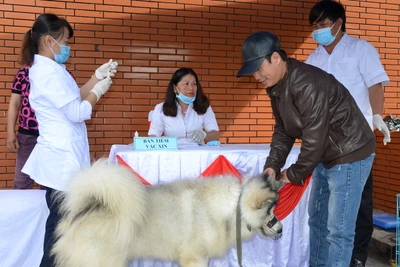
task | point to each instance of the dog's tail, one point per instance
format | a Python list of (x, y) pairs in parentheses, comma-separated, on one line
[(102, 208)]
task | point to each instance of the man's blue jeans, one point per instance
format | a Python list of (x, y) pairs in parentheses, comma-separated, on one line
[(334, 201)]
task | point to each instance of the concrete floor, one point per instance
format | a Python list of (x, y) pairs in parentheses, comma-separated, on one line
[(375, 260), (382, 247)]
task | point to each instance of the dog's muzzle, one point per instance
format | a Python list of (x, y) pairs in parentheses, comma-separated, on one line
[(272, 228)]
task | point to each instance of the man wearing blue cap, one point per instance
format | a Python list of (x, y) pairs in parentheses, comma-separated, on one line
[(337, 143)]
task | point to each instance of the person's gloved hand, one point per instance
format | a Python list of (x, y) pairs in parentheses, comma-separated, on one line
[(101, 87), (378, 122), (107, 69), (198, 135)]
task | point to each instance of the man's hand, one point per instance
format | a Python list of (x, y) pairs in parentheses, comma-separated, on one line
[(270, 177), (284, 177), (270, 172), (378, 122)]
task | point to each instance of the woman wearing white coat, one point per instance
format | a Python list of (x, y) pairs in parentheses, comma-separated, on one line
[(186, 112), (61, 109)]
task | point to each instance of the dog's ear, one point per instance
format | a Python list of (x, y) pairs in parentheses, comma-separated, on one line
[(265, 202), (273, 184)]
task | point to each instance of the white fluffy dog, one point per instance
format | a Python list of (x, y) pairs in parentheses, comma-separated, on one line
[(110, 218)]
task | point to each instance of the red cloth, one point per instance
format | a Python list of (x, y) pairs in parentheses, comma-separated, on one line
[(122, 162), (221, 166), (289, 197)]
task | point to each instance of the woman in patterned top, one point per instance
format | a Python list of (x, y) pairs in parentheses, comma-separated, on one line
[(23, 142)]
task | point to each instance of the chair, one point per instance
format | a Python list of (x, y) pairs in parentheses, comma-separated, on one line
[(150, 117)]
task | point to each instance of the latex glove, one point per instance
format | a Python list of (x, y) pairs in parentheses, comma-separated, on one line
[(106, 70), (378, 122), (101, 87), (213, 143), (198, 135)]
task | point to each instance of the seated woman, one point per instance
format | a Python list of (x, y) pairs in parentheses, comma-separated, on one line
[(186, 112)]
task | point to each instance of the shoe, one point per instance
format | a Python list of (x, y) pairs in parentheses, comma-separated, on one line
[(357, 263)]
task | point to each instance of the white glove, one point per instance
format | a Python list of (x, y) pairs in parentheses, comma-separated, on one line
[(198, 135), (378, 122), (101, 87), (106, 70)]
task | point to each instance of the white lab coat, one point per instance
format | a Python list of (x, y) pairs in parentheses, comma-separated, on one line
[(180, 126), (62, 146), (355, 63)]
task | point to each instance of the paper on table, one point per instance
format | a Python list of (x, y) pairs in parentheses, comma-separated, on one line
[(188, 145)]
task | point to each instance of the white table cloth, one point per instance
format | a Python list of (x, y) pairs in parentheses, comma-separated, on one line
[(162, 166), (23, 215)]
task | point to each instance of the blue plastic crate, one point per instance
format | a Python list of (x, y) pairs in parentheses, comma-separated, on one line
[(385, 221)]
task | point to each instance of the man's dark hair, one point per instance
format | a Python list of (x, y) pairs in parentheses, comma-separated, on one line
[(328, 9), (281, 52)]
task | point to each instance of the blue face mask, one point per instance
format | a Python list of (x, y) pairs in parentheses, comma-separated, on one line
[(185, 99), (64, 55), (324, 36)]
